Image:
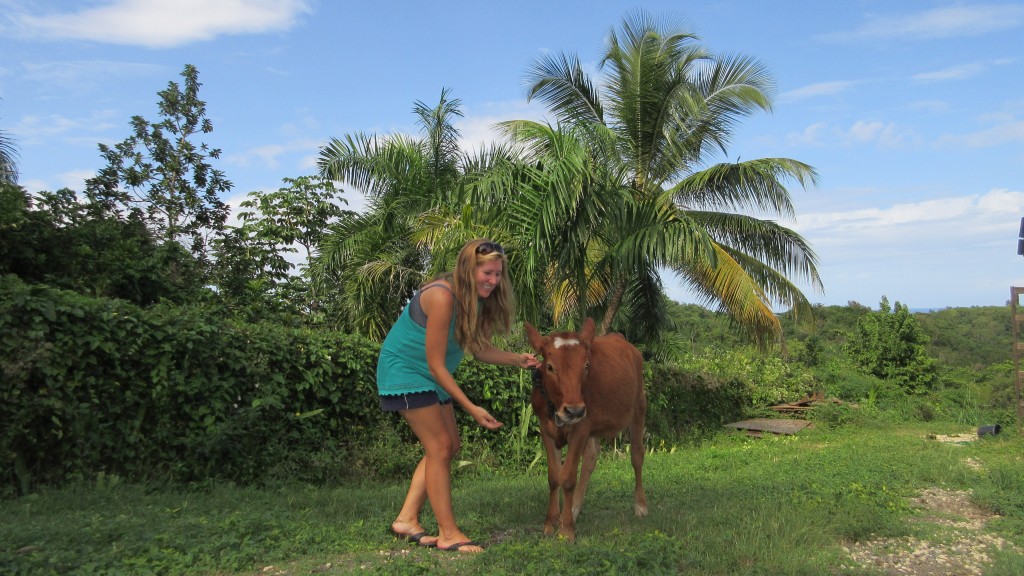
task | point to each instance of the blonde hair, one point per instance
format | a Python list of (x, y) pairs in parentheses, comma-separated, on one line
[(476, 319)]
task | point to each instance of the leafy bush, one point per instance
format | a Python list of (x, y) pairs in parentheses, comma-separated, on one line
[(93, 387), (685, 405), (835, 415), (890, 344), (97, 385), (769, 379)]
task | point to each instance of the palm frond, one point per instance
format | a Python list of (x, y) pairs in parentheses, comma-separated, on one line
[(750, 185), (730, 286), (559, 81), (770, 243)]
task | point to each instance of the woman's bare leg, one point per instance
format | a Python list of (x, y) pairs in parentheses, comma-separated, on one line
[(408, 521), (437, 431)]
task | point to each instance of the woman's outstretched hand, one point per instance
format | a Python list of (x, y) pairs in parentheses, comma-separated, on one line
[(484, 418), (527, 360)]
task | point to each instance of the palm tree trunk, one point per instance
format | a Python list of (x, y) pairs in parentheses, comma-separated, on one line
[(613, 307)]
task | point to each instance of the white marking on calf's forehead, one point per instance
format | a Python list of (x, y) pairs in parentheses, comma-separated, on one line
[(559, 342)]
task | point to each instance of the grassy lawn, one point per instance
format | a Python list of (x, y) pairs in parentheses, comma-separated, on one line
[(735, 505)]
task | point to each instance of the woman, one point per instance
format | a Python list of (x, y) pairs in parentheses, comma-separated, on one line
[(452, 313)]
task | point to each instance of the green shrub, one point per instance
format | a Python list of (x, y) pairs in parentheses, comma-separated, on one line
[(99, 386), (685, 405), (834, 415), (769, 379)]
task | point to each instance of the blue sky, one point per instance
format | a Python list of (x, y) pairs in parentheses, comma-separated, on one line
[(912, 112)]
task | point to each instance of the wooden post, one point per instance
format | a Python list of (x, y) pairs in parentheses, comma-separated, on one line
[(1017, 317)]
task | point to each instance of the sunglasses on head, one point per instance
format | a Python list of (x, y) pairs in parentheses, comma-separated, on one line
[(486, 248)]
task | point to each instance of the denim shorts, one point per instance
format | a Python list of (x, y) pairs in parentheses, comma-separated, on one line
[(398, 402)]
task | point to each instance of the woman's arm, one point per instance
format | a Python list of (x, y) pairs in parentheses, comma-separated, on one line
[(439, 306), (494, 355)]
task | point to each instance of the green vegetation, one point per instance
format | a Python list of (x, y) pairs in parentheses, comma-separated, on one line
[(735, 505)]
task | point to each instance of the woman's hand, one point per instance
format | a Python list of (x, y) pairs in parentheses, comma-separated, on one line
[(527, 360), (484, 418)]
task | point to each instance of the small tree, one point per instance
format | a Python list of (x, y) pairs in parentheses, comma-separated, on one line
[(890, 344), (298, 214), (160, 174), (253, 255)]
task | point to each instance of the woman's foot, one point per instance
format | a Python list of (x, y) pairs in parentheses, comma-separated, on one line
[(467, 547), (413, 532), (458, 542)]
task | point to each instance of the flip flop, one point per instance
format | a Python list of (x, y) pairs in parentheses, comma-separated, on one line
[(414, 538), (457, 546), (418, 539)]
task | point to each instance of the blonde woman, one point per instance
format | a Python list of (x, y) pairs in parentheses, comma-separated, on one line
[(452, 314)]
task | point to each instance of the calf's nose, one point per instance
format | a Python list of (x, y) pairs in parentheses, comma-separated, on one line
[(576, 412)]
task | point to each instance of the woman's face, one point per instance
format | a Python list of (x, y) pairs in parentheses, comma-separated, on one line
[(487, 276)]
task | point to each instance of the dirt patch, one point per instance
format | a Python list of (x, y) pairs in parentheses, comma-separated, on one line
[(953, 438), (958, 547)]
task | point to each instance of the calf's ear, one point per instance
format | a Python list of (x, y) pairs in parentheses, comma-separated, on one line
[(587, 331), (533, 337)]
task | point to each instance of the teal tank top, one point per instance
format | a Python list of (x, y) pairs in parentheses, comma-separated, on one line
[(402, 366)]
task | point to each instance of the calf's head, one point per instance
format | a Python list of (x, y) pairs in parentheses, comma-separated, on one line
[(564, 369)]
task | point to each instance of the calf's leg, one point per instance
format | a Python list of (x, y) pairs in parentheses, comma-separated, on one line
[(570, 470), (554, 483), (590, 453), (636, 456)]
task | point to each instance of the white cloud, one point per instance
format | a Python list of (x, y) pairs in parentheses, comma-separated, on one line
[(477, 126), (268, 155), (949, 22), (875, 218), (817, 90), (33, 126), (860, 132), (933, 106), (811, 136), (952, 73), (35, 129), (942, 220), (994, 136), (35, 184), (162, 23), (933, 253), (74, 74), (885, 133), (75, 179)]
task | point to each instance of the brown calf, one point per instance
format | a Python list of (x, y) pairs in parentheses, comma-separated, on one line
[(589, 389)]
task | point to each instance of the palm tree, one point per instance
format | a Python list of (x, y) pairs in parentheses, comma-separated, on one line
[(623, 187), (8, 160), (373, 261)]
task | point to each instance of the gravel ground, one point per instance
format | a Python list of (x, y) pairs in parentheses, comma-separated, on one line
[(959, 546)]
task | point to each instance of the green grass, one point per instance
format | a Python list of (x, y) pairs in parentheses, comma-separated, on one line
[(732, 506)]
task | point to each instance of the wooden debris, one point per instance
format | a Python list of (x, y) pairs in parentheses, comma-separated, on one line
[(756, 426), (805, 404)]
